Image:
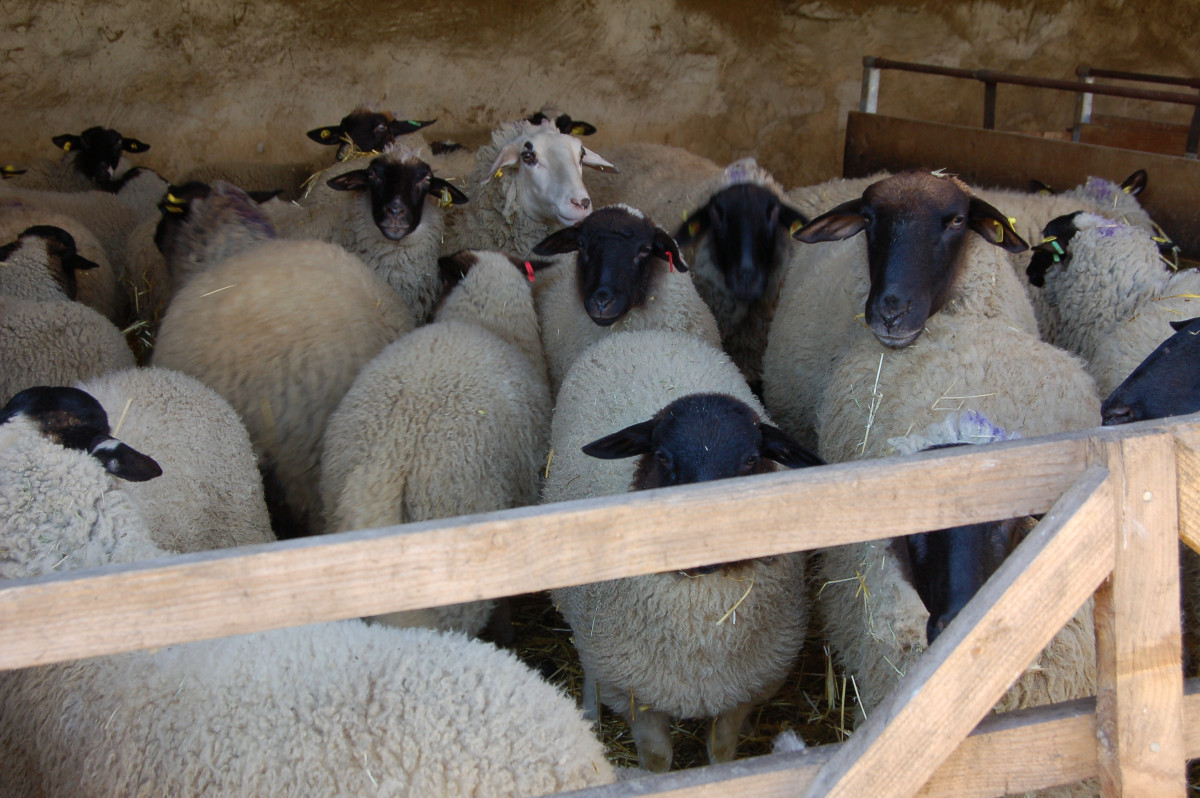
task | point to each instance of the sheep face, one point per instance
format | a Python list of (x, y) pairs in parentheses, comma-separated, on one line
[(74, 419), (1166, 383), (366, 131), (549, 174), (397, 190), (620, 252), (698, 438), (1057, 233), (743, 223), (916, 224), (98, 151), (61, 257)]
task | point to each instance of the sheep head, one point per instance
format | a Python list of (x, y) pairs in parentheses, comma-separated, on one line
[(916, 224), (1166, 383), (97, 152), (397, 186), (365, 130)]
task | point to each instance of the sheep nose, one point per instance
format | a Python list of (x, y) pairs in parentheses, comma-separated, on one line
[(1118, 414), (582, 204), (602, 298), (891, 309)]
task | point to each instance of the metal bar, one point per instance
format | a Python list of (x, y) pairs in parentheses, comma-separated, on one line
[(1193, 139), (1084, 71), (989, 106), (869, 103), (986, 75), (1083, 110)]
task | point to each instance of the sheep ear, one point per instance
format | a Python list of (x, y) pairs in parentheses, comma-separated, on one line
[(777, 446), (133, 145), (506, 157), (665, 248), (260, 197), (995, 227), (350, 181), (326, 135), (7, 250), (836, 224), (10, 171), (67, 141), (1136, 183), (1038, 187), (697, 224), (593, 161), (574, 127), (629, 442), (402, 127), (78, 263), (447, 195), (1182, 325), (122, 460), (559, 243)]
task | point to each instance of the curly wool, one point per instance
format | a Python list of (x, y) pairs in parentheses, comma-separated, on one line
[(55, 343), (210, 493)]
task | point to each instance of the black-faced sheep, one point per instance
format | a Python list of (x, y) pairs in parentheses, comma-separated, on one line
[(364, 130), (91, 159), (711, 643), (626, 274)]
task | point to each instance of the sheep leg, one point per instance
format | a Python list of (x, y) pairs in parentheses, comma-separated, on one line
[(652, 736), (726, 727)]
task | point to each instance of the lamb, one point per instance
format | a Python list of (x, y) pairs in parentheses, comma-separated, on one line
[(55, 343), (515, 205), (628, 275), (451, 419), (695, 644), (339, 709), (91, 160), (210, 494), (1109, 298), (41, 265), (97, 288), (827, 288), (280, 330), (737, 222), (378, 210)]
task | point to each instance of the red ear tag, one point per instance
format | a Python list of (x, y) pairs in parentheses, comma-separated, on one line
[(670, 260), (529, 270)]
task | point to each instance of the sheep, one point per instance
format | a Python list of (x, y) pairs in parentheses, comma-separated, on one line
[(628, 275), (41, 265), (381, 211), (332, 709), (365, 131), (91, 159), (828, 285), (451, 419), (210, 494), (670, 644), (55, 343), (1108, 298), (97, 288), (280, 330), (526, 183)]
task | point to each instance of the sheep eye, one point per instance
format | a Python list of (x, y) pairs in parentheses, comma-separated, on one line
[(643, 253), (380, 128), (752, 461), (529, 157), (956, 221), (662, 458)]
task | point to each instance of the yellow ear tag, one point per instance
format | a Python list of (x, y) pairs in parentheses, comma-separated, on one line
[(693, 228), (325, 133), (173, 200), (499, 173), (796, 225), (1127, 189), (578, 130), (1012, 220), (445, 200), (66, 146), (173, 208), (999, 231)]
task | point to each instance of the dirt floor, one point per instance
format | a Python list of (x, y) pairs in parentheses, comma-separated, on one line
[(214, 80)]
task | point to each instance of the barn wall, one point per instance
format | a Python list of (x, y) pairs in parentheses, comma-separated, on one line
[(213, 80)]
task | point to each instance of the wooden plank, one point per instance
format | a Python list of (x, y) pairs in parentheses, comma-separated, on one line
[(995, 637), (1015, 752), (1144, 135), (1187, 469), (1139, 682), (211, 594), (998, 158)]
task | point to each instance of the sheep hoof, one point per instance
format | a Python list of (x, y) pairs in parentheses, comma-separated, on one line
[(723, 736), (652, 736)]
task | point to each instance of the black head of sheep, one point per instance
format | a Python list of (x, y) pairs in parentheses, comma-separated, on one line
[(98, 151), (366, 131), (1166, 383), (397, 189), (916, 224)]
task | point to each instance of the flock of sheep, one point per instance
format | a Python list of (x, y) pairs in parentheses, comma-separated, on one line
[(420, 332)]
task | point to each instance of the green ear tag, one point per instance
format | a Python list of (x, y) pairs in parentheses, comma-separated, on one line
[(414, 123), (1057, 248)]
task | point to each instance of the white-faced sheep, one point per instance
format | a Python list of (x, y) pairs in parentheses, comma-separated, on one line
[(451, 419), (281, 330), (336, 709), (210, 494), (1107, 294), (41, 265), (626, 274), (526, 183), (383, 209), (708, 643), (830, 293), (91, 159)]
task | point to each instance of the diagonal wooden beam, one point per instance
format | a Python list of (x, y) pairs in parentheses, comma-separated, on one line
[(996, 636), (1139, 682)]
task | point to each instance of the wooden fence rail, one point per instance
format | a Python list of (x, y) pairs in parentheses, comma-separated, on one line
[(1116, 501)]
